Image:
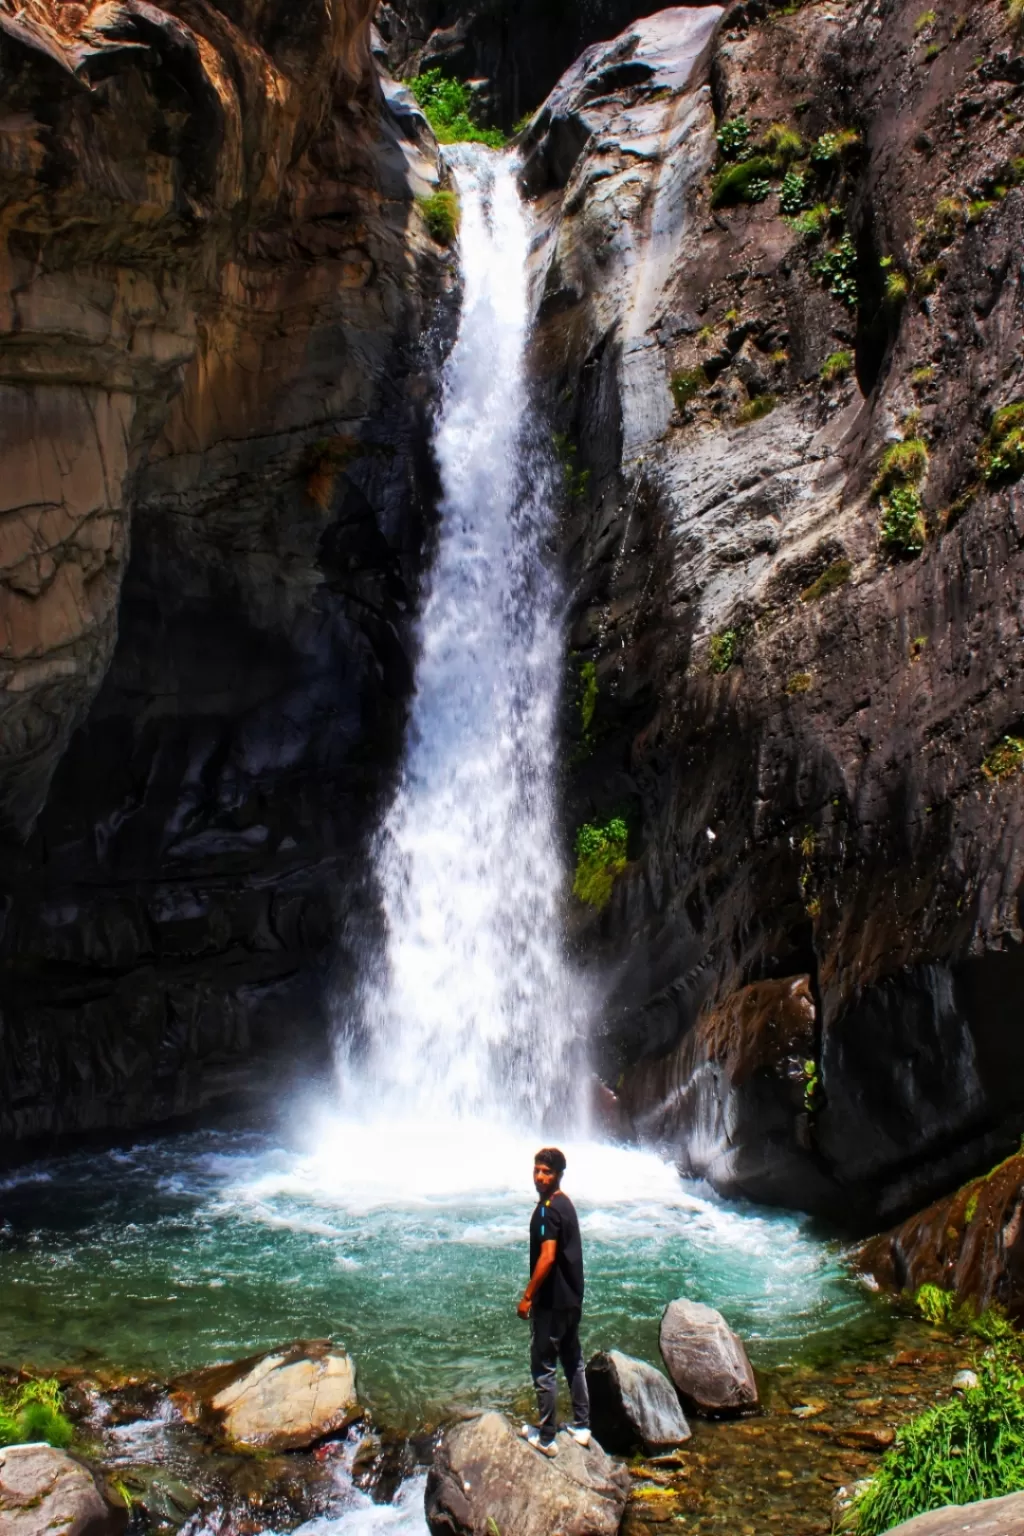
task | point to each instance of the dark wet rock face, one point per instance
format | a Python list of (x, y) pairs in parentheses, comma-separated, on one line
[(484, 1474), (795, 717), (706, 1360), (216, 339), (633, 1405)]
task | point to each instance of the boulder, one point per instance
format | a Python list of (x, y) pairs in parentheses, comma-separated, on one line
[(284, 1400), (706, 1360), (43, 1490), (485, 1476), (632, 1403), (989, 1517)]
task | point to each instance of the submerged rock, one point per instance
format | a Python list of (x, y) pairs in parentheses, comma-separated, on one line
[(632, 1403), (706, 1360), (43, 1490), (485, 1476), (989, 1517), (281, 1401)]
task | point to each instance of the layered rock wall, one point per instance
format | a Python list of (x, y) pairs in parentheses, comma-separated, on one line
[(216, 364)]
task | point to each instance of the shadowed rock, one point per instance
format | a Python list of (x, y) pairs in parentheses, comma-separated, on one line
[(485, 1476), (42, 1490), (633, 1404), (282, 1401), (706, 1360)]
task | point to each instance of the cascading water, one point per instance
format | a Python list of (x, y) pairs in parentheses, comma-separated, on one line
[(472, 1010)]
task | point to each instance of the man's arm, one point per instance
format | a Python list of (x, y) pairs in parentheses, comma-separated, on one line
[(545, 1264)]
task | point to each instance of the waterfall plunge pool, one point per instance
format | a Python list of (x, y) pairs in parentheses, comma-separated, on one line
[(404, 1242)]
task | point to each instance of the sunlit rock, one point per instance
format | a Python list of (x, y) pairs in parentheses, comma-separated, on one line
[(706, 1360), (43, 1491), (485, 1476), (633, 1404), (989, 1517), (282, 1401)]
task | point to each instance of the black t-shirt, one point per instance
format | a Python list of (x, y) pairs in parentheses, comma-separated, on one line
[(556, 1218)]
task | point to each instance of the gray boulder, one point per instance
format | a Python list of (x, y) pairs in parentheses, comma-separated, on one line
[(284, 1400), (706, 1360), (43, 1491), (632, 1403), (989, 1517), (485, 1476)]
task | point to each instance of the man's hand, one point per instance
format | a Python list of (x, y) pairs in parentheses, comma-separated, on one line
[(524, 1308)]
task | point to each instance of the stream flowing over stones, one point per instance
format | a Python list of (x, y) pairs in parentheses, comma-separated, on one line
[(355, 581)]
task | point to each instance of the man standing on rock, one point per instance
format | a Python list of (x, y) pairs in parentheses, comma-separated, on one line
[(553, 1301)]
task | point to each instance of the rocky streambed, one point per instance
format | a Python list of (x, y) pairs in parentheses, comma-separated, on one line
[(274, 1442)]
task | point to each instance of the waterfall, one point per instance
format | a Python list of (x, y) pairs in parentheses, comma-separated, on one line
[(472, 1010)]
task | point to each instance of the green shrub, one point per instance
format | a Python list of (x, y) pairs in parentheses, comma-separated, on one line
[(949, 216), (575, 481), (32, 1412), (783, 143), (966, 1449), (733, 138), (1006, 757), (904, 463), (793, 193), (441, 215), (838, 271), (753, 410), (897, 289), (745, 182), (447, 106), (600, 858), (902, 527), (836, 366), (935, 1305), (1001, 456), (831, 147), (834, 576), (687, 383), (723, 650), (813, 223)]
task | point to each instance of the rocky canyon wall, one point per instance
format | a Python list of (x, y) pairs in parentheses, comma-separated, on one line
[(215, 368), (779, 283)]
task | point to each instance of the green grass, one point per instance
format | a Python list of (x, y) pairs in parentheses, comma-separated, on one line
[(723, 650), (441, 215), (447, 106), (753, 410), (32, 1412), (831, 147), (904, 463), (687, 383), (783, 144), (588, 695), (966, 1449), (897, 289), (1006, 758), (834, 576), (1001, 456), (836, 366), (600, 859), (748, 181)]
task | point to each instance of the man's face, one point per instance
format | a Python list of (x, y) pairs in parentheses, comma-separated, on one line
[(545, 1180)]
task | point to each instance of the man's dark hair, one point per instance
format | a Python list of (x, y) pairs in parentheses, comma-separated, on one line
[(551, 1158)]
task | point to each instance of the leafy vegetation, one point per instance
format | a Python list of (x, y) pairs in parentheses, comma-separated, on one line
[(813, 223), (588, 695), (733, 138), (903, 527), (793, 193), (448, 108), (836, 366), (812, 1085), (755, 408), (924, 21), (575, 481), (1006, 757), (800, 682), (783, 144), (837, 269), (441, 214), (1001, 457), (831, 147), (903, 463), (746, 181), (687, 383), (834, 576), (33, 1412), (723, 650), (600, 858), (897, 289)]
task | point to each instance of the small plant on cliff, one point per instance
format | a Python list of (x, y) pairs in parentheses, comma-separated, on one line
[(812, 1086), (755, 408), (687, 383), (960, 1451), (1001, 457), (831, 147), (1015, 14), (1006, 758), (723, 650), (783, 143), (575, 481), (32, 1412), (813, 222), (836, 366), (924, 21), (838, 271), (448, 107), (897, 289), (793, 193), (902, 463), (834, 576), (903, 529), (733, 138), (800, 682), (600, 858), (441, 215), (748, 181)]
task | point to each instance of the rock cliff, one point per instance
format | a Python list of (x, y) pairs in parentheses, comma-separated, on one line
[(780, 303), (215, 367)]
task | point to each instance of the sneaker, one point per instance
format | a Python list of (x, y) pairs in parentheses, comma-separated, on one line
[(533, 1437), (580, 1433)]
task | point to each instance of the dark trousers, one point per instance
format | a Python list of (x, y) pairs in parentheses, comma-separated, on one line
[(556, 1336)]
